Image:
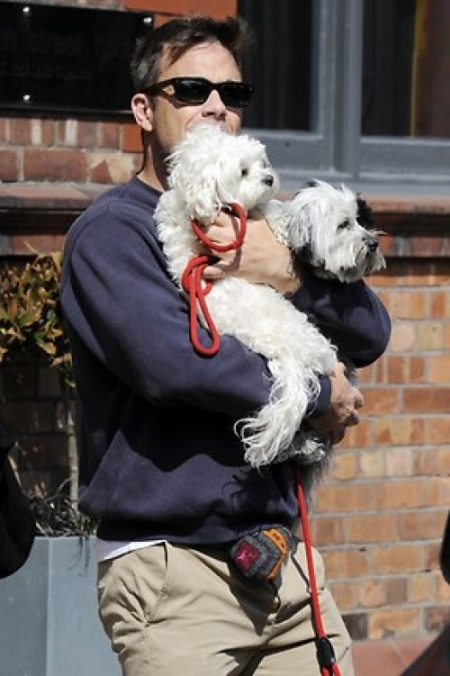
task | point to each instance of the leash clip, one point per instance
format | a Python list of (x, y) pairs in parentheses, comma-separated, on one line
[(325, 653)]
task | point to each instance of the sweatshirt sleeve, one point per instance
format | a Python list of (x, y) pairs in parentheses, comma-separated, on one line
[(350, 315), (121, 305)]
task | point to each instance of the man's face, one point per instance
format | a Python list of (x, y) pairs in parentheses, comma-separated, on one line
[(170, 119)]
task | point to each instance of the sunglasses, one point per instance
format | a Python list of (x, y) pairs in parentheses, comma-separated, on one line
[(195, 90)]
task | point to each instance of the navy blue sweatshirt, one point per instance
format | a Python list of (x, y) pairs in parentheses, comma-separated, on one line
[(159, 457)]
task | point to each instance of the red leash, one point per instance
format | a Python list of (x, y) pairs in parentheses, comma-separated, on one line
[(325, 652), (197, 289)]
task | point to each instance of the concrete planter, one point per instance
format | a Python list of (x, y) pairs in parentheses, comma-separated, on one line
[(48, 614)]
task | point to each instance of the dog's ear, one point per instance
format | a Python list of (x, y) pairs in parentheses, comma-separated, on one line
[(304, 254), (201, 197), (302, 217), (193, 179), (365, 214), (312, 183)]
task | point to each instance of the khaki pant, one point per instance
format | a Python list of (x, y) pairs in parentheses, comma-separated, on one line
[(174, 611)]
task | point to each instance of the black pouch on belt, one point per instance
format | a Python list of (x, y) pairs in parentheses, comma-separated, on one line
[(261, 555)]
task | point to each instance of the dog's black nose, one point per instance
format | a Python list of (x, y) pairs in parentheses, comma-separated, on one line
[(372, 245), (268, 180)]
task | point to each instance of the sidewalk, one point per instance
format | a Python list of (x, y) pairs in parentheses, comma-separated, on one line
[(388, 657)]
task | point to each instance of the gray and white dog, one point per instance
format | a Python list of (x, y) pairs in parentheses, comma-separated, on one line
[(329, 229)]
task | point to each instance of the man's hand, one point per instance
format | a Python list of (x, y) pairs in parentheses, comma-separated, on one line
[(345, 402), (262, 259)]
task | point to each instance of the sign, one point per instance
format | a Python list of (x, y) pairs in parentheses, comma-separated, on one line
[(69, 59)]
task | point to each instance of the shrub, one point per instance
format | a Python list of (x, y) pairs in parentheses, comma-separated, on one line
[(30, 312), (31, 318)]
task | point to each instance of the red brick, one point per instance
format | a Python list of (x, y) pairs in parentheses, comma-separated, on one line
[(367, 376), (373, 463), (382, 400), (345, 498), (54, 165), (440, 305), (395, 559), (437, 618), (421, 587), (345, 563), (9, 165), (436, 491), (394, 621), (409, 304), (437, 429), (367, 528), (345, 594), (48, 132), (87, 134), (426, 462), (4, 129), (439, 368), (131, 138), (420, 524), (356, 437), (429, 336), (443, 461), (399, 462), (442, 593), (327, 530), (396, 591), (401, 430), (109, 167), (427, 399), (345, 466), (100, 173), (372, 592), (110, 134), (20, 131), (403, 369), (44, 243), (398, 494)]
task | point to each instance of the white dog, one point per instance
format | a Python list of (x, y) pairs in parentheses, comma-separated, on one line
[(210, 169), (329, 229)]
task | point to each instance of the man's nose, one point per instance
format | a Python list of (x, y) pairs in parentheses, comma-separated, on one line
[(214, 104)]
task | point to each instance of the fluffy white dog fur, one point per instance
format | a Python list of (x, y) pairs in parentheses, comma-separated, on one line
[(208, 170), (329, 229)]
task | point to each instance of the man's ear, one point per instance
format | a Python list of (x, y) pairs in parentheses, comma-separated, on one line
[(142, 109)]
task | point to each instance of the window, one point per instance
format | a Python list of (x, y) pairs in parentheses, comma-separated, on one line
[(281, 66), (354, 91)]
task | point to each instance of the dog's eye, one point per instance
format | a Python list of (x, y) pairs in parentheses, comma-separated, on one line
[(244, 172), (345, 224)]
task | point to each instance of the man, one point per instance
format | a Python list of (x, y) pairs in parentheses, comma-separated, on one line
[(161, 465)]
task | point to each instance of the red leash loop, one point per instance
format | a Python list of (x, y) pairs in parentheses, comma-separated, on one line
[(236, 210), (197, 289), (325, 652)]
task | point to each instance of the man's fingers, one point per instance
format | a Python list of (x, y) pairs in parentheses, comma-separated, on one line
[(359, 403), (352, 420)]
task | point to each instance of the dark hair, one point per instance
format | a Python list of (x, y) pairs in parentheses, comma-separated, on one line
[(175, 37)]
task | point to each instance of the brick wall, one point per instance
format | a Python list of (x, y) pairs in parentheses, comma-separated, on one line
[(379, 516)]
